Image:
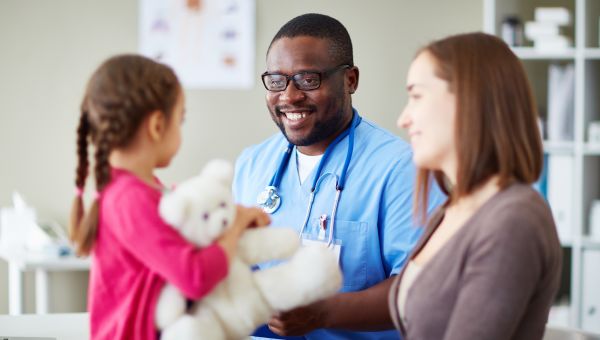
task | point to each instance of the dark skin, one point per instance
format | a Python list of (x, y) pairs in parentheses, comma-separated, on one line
[(328, 108), (365, 310)]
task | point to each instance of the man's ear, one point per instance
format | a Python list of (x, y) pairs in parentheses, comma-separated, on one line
[(156, 125), (352, 79)]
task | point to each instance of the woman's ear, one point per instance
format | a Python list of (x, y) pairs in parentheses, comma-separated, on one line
[(156, 125)]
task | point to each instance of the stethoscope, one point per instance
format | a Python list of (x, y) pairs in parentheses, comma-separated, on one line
[(270, 200)]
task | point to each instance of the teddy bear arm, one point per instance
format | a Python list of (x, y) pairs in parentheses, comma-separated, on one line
[(265, 244), (311, 275)]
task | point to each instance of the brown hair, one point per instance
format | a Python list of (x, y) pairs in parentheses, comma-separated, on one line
[(496, 130), (119, 95)]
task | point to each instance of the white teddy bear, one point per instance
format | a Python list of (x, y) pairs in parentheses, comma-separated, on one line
[(201, 208)]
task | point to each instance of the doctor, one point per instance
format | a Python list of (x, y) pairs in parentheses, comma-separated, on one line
[(334, 176)]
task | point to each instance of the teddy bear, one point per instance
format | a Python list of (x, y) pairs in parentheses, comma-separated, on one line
[(201, 208)]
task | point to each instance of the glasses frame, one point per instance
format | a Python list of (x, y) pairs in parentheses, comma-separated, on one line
[(322, 75)]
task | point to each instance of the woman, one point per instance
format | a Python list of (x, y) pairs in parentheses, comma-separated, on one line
[(488, 264)]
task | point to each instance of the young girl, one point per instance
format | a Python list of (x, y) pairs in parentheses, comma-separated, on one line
[(131, 112)]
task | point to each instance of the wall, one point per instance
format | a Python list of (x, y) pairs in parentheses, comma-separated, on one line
[(48, 49)]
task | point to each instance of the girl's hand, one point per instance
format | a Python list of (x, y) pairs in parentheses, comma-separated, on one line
[(245, 217)]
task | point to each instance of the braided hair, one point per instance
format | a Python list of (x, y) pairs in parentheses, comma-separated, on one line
[(120, 94)]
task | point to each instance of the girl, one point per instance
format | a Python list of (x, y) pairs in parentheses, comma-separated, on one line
[(131, 112), (487, 266)]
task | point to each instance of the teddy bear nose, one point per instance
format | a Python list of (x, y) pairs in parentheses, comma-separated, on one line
[(225, 223)]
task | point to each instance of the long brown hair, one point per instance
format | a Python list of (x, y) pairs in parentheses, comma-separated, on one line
[(119, 95), (496, 130)]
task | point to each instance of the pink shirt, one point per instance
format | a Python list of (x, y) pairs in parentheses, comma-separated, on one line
[(135, 254)]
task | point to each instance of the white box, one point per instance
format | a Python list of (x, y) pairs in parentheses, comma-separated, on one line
[(557, 43), (560, 194), (594, 227), (534, 30), (557, 15), (561, 102), (14, 227), (559, 316), (594, 133)]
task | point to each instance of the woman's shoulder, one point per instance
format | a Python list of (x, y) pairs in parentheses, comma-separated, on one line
[(517, 214), (518, 201)]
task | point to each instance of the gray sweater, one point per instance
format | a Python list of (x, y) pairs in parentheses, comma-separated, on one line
[(494, 279)]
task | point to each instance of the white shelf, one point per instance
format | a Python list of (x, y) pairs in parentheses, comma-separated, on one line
[(566, 243), (20, 261), (551, 147), (29, 261), (591, 149), (585, 180), (74, 326), (589, 243), (592, 53), (530, 53)]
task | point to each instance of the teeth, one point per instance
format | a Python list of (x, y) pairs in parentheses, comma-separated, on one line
[(295, 116)]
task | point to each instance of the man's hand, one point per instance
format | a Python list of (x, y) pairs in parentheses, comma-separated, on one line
[(340, 311), (299, 321)]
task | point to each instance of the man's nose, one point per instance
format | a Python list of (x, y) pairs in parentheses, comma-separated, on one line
[(291, 94)]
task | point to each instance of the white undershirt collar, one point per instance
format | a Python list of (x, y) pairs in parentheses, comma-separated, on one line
[(306, 164)]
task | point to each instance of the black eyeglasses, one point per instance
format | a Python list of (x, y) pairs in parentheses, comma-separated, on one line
[(304, 81)]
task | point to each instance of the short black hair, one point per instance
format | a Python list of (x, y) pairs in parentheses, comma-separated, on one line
[(323, 27)]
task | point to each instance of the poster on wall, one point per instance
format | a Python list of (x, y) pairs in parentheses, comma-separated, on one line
[(209, 43)]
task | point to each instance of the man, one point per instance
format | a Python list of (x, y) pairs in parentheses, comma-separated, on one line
[(310, 78)]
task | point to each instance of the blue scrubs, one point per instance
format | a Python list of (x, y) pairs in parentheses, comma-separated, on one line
[(374, 220)]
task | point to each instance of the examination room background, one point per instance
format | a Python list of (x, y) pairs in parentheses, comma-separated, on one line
[(48, 49)]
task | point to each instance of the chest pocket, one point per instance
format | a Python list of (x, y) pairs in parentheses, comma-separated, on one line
[(353, 256)]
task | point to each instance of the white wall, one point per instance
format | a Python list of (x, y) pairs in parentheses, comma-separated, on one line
[(48, 49)]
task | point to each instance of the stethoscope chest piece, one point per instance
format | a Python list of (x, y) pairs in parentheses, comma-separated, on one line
[(269, 200)]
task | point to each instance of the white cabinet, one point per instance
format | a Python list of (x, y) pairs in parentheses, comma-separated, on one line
[(590, 316), (583, 264)]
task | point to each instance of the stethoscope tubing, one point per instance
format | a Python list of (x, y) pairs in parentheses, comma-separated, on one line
[(277, 176)]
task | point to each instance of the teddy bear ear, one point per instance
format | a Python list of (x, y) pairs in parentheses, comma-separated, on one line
[(220, 170), (172, 208)]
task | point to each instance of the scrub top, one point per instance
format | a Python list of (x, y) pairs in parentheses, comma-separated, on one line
[(374, 222)]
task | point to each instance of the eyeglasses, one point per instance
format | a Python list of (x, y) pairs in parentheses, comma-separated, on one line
[(304, 81)]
